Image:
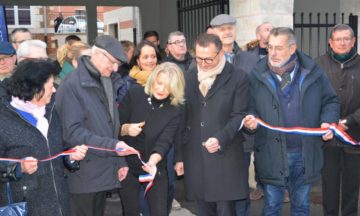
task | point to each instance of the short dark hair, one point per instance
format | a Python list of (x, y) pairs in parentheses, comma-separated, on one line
[(29, 78), (72, 38), (341, 27), (138, 49), (151, 33), (204, 40), (16, 30)]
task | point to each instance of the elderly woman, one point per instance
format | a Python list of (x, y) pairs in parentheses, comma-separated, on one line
[(150, 119), (30, 129)]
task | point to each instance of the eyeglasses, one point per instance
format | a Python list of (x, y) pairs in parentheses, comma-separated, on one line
[(178, 42), (19, 42), (112, 62), (276, 48), (6, 58), (206, 60), (344, 39)]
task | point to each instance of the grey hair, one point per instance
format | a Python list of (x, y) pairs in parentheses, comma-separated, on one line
[(259, 26), (341, 27), (24, 48), (175, 33), (284, 31), (13, 33)]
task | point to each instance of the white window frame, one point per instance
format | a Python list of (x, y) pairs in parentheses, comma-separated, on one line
[(16, 18)]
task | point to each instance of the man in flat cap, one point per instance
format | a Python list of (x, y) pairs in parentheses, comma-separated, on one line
[(86, 105), (223, 26)]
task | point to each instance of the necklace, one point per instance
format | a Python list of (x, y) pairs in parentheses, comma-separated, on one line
[(151, 104)]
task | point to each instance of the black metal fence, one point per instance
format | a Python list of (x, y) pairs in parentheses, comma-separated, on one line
[(313, 31), (195, 15)]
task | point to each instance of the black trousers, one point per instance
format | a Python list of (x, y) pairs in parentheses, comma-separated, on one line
[(89, 204), (156, 197), (340, 178), (220, 208)]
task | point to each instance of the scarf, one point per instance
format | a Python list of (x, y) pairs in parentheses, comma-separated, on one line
[(286, 68), (38, 112), (343, 57), (139, 75), (207, 78)]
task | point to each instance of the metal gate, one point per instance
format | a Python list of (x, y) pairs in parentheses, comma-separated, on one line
[(313, 35), (195, 15)]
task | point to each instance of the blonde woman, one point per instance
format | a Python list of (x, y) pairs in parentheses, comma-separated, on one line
[(67, 56), (150, 118)]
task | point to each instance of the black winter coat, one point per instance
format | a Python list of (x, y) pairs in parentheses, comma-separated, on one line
[(161, 125), (345, 78), (45, 191), (222, 175)]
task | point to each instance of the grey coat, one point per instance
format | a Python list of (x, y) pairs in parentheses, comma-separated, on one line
[(222, 175), (318, 104), (83, 109)]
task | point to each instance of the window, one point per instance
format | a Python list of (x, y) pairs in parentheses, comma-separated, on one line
[(18, 15)]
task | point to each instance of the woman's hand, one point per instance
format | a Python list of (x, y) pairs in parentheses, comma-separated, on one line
[(29, 165), (132, 129), (150, 166), (80, 153), (179, 168)]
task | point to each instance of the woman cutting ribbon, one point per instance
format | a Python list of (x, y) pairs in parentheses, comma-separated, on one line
[(150, 119)]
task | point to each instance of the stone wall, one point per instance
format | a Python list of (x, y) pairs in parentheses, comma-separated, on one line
[(251, 13)]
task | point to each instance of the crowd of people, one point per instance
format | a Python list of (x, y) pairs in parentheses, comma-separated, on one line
[(125, 110)]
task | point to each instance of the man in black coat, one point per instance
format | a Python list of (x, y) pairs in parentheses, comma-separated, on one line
[(211, 154), (178, 52), (87, 109), (341, 171)]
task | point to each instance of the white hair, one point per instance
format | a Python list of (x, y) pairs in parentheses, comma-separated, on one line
[(24, 49)]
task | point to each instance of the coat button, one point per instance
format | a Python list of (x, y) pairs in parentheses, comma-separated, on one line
[(277, 139), (203, 103), (202, 124), (281, 173), (274, 106)]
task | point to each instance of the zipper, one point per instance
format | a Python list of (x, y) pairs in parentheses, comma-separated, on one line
[(48, 148)]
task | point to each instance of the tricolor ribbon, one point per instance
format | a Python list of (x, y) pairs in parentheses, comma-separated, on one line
[(338, 132), (142, 178)]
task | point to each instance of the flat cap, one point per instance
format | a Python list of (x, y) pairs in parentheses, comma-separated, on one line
[(6, 48), (222, 19), (112, 46)]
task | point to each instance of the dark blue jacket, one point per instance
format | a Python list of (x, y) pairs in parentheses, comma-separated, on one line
[(318, 104)]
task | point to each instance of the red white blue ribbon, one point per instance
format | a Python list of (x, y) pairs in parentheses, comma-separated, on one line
[(142, 178), (338, 132)]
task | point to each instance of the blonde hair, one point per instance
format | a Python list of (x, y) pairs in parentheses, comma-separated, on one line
[(175, 78), (70, 52)]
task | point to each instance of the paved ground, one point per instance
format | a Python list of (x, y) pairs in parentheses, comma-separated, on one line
[(114, 208)]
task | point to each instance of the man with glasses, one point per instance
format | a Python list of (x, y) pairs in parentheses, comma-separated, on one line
[(288, 89), (178, 53), (87, 109), (7, 60), (341, 171), (19, 35), (211, 153)]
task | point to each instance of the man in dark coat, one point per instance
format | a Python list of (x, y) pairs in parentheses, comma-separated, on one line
[(259, 47), (87, 109), (341, 171), (212, 153), (289, 89), (178, 53)]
